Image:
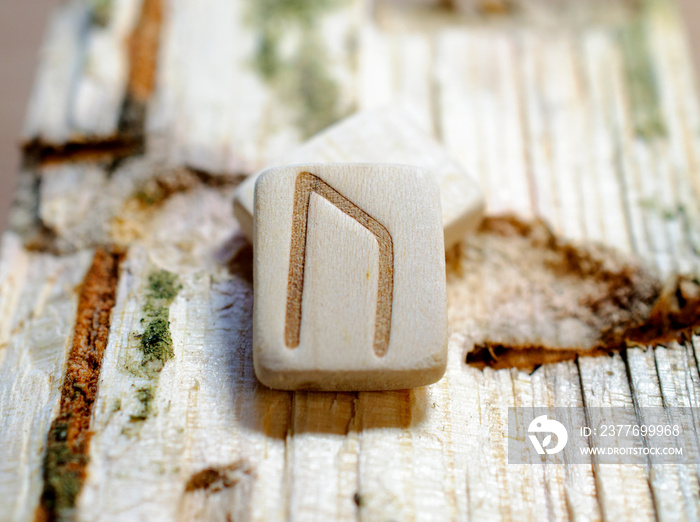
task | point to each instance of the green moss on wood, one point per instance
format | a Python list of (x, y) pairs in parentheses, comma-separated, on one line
[(156, 341), (642, 82), (316, 91), (657, 207), (303, 80), (101, 11), (149, 197), (163, 285), (145, 395), (280, 12), (267, 61), (63, 471), (68, 439)]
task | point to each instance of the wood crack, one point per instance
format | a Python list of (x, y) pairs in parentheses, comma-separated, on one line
[(40, 153), (129, 139), (68, 441), (143, 60)]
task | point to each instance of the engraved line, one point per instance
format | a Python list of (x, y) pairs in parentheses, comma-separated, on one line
[(306, 183), (297, 255)]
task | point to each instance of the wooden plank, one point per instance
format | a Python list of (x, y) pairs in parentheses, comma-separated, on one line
[(83, 73), (288, 74), (38, 293), (548, 105)]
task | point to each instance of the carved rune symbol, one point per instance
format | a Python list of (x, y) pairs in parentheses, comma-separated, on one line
[(306, 183)]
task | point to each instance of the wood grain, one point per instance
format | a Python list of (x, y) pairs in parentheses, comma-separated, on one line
[(540, 101)]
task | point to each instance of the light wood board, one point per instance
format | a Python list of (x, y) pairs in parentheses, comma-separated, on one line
[(585, 114)]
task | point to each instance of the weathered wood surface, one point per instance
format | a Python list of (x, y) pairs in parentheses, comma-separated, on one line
[(584, 114)]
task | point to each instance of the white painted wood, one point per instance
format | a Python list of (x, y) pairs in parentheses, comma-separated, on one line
[(83, 72), (389, 135), (346, 256), (101, 88), (214, 106), (49, 107), (38, 302), (83, 204), (543, 116)]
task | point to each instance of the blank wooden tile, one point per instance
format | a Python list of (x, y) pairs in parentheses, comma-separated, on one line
[(349, 278), (390, 135)]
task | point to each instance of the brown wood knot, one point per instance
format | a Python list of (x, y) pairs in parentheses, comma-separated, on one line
[(217, 478), (306, 184)]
